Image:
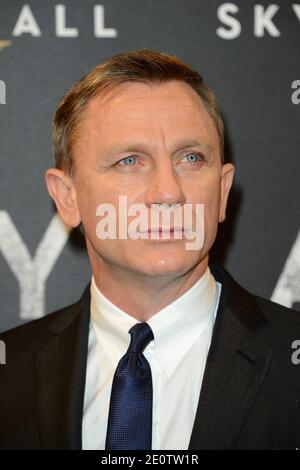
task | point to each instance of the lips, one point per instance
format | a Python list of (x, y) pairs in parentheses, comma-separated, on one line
[(164, 230)]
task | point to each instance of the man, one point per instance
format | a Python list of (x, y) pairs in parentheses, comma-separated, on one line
[(163, 350)]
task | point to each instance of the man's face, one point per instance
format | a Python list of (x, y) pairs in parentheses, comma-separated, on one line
[(157, 127)]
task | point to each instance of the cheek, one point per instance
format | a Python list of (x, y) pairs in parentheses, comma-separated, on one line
[(88, 198), (205, 191), (209, 195)]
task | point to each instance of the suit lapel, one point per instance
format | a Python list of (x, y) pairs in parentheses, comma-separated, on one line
[(60, 376), (236, 366)]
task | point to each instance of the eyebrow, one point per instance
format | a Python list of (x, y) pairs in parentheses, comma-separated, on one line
[(140, 147)]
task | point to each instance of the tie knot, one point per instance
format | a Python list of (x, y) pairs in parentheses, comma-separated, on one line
[(141, 335)]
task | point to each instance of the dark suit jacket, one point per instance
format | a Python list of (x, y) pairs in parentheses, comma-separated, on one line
[(250, 396)]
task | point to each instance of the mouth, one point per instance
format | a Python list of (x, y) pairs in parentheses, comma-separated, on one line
[(164, 230), (164, 233)]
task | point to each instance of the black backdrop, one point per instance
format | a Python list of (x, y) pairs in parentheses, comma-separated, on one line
[(250, 55)]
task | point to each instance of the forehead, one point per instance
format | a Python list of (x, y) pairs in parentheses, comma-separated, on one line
[(149, 111)]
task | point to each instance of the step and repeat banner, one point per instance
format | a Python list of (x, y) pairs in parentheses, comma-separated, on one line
[(248, 52)]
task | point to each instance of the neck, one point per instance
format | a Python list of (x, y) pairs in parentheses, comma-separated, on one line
[(141, 296)]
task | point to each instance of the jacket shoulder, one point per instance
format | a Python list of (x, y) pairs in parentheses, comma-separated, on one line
[(277, 321), (31, 335), (286, 321)]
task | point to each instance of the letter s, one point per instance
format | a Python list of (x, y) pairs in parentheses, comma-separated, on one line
[(233, 23)]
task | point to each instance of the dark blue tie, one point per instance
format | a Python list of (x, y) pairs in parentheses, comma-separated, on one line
[(130, 411)]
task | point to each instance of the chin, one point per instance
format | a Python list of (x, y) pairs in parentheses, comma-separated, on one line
[(166, 266)]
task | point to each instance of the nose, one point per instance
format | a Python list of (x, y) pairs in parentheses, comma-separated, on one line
[(165, 187)]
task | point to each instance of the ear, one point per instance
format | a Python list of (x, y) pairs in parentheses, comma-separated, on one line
[(227, 174), (62, 191)]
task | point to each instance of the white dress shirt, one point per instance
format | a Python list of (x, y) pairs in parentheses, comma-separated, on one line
[(177, 357)]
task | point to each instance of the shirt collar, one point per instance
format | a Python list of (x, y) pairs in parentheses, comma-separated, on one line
[(176, 327)]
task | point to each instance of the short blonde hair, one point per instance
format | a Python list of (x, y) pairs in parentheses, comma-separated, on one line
[(144, 65)]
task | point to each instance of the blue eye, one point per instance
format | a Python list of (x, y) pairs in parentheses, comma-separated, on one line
[(128, 160), (195, 156)]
